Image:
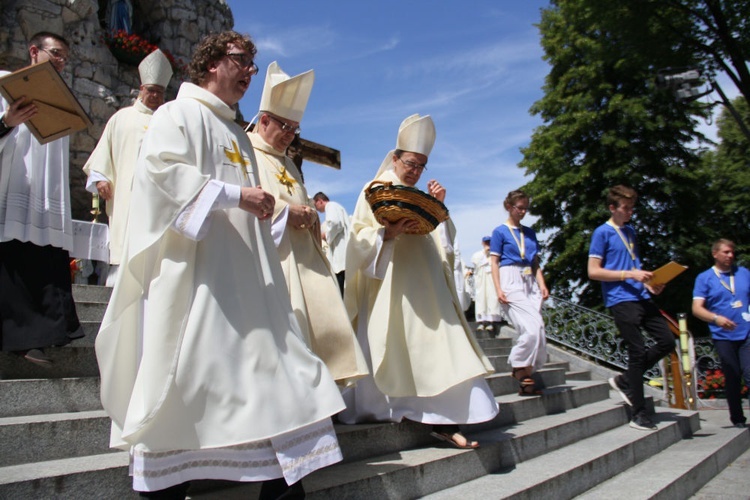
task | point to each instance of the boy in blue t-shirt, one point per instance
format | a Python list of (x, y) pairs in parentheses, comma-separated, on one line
[(720, 297), (614, 260)]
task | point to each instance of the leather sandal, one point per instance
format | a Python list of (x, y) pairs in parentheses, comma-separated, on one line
[(528, 386)]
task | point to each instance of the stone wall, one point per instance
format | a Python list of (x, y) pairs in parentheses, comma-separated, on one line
[(101, 83)]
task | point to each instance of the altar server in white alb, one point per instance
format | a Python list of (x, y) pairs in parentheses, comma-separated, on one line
[(313, 288), (110, 166), (486, 305), (425, 362), (204, 371), (335, 232), (36, 229)]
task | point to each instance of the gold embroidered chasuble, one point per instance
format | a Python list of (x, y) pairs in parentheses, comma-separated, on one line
[(313, 289)]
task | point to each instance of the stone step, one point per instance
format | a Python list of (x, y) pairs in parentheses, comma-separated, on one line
[(359, 443), (502, 382), (90, 311), (578, 375), (420, 472), (45, 437), (38, 438), (66, 362), (485, 343), (91, 293), (93, 476), (569, 471), (683, 468), (730, 483), (54, 395)]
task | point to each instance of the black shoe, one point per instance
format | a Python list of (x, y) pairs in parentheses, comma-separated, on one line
[(618, 384), (641, 422), (740, 425), (36, 356)]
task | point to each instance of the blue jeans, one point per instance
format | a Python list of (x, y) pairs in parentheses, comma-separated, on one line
[(630, 318), (735, 363)]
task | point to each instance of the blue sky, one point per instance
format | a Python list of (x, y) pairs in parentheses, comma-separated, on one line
[(475, 66)]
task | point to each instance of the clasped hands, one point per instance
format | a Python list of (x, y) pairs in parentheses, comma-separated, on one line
[(302, 216)]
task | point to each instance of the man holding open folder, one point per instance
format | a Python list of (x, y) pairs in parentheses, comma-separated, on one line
[(36, 229), (614, 260)]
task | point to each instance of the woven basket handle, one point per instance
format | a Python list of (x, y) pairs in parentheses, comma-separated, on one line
[(375, 183)]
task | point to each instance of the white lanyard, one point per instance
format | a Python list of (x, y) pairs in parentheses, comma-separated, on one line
[(521, 244), (625, 241)]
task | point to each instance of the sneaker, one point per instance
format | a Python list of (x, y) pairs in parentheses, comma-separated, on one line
[(490, 328), (480, 328), (642, 422), (740, 425), (618, 384)]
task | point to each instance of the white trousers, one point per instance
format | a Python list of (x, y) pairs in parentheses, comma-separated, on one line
[(524, 311)]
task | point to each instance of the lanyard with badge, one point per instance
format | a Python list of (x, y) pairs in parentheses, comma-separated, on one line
[(521, 246), (625, 241), (737, 303)]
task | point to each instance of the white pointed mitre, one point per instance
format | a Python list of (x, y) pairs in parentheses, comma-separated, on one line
[(286, 96), (155, 69), (416, 135)]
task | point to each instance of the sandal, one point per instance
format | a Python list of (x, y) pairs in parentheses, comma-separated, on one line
[(528, 386), (449, 438)]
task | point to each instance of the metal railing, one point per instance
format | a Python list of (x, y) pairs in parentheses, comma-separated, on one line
[(593, 335)]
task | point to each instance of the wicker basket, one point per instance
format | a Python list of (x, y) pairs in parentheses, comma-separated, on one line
[(393, 202)]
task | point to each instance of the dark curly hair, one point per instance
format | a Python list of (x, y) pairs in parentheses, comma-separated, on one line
[(212, 48)]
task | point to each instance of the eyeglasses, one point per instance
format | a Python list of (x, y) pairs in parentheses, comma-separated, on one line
[(285, 127), (56, 54), (521, 209), (245, 61), (419, 167)]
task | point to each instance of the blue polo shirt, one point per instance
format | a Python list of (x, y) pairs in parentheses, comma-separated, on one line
[(719, 300), (504, 245), (607, 245)]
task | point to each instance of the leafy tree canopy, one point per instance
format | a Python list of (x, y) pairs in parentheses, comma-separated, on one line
[(605, 123)]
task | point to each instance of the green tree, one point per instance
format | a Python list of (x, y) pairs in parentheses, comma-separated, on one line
[(728, 171), (606, 123)]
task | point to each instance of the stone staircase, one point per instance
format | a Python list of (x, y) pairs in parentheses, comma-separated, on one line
[(572, 442)]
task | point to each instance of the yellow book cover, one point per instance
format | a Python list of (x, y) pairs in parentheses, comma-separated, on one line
[(666, 273)]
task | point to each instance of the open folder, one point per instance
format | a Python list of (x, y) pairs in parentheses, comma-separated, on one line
[(59, 114), (666, 273)]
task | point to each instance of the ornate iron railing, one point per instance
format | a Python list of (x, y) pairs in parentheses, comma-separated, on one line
[(593, 335)]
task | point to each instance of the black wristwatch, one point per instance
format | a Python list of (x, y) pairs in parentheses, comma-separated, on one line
[(4, 128)]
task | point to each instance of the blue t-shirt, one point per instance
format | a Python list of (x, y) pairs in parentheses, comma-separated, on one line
[(607, 245), (506, 245), (719, 300)]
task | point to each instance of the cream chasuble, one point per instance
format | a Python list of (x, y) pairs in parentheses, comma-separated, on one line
[(313, 288), (419, 340), (199, 347), (114, 158)]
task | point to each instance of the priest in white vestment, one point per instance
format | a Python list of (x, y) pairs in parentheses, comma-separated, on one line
[(426, 364), (204, 370), (110, 166), (36, 229), (486, 306), (335, 232), (313, 289)]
